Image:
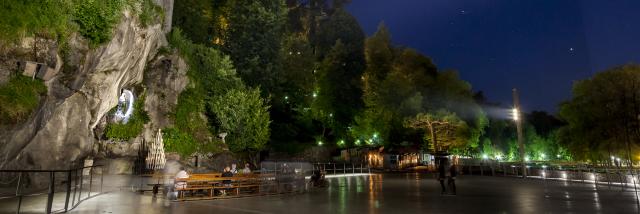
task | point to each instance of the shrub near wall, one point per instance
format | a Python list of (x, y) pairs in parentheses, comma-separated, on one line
[(19, 97)]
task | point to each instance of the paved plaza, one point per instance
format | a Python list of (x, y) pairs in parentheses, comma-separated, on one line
[(396, 193)]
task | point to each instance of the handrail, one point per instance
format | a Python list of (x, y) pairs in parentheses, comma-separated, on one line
[(51, 170), (71, 176)]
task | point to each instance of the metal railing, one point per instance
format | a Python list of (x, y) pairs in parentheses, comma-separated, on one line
[(342, 168), (597, 175), (29, 183)]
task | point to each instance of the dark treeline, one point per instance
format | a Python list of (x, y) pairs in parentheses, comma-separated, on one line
[(329, 84)]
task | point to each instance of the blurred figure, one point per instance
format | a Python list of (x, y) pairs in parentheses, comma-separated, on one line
[(234, 170), (453, 172), (180, 182), (226, 183), (442, 173), (246, 169)]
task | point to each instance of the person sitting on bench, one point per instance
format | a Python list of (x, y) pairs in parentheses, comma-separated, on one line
[(246, 169), (180, 182), (226, 183)]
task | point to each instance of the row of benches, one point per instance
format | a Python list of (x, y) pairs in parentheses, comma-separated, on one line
[(239, 184)]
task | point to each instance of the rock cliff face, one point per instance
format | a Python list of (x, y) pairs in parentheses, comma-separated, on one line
[(60, 132)]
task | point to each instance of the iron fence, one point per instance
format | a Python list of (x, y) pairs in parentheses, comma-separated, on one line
[(40, 187)]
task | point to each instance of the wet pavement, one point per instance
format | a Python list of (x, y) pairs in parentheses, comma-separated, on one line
[(396, 193)]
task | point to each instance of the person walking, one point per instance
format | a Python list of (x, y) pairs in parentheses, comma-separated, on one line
[(453, 172), (442, 173)]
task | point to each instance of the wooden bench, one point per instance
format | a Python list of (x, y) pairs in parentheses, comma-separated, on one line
[(240, 184), (192, 188)]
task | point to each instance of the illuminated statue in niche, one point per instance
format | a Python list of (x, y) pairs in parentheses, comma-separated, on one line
[(125, 107)]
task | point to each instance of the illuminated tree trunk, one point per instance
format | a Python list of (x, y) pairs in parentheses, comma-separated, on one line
[(434, 142)]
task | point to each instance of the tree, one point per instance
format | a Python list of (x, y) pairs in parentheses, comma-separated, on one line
[(602, 114), (195, 18), (443, 129), (211, 75), (339, 95), (244, 115), (252, 35)]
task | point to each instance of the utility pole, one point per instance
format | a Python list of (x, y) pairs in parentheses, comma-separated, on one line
[(518, 119)]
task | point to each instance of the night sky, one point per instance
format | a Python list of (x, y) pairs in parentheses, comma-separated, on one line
[(539, 47)]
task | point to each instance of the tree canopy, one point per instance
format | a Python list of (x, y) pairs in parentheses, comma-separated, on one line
[(603, 114)]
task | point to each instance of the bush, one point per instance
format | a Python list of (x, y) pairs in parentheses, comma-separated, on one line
[(211, 73), (19, 18), (178, 141), (182, 143), (189, 116), (150, 13), (122, 131), (19, 97), (96, 18)]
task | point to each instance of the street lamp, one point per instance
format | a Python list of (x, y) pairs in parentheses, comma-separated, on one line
[(516, 118), (485, 156), (515, 114)]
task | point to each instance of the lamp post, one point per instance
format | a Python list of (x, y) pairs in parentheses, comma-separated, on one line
[(518, 120)]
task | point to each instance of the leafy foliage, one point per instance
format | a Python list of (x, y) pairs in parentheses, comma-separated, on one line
[(20, 18), (150, 13), (211, 71), (189, 115), (56, 19), (96, 18), (443, 130), (339, 93), (178, 141), (133, 128), (244, 115), (602, 114), (19, 97), (252, 35), (195, 18), (216, 101)]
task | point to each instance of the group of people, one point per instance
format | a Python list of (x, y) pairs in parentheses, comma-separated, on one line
[(447, 171), (228, 171)]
